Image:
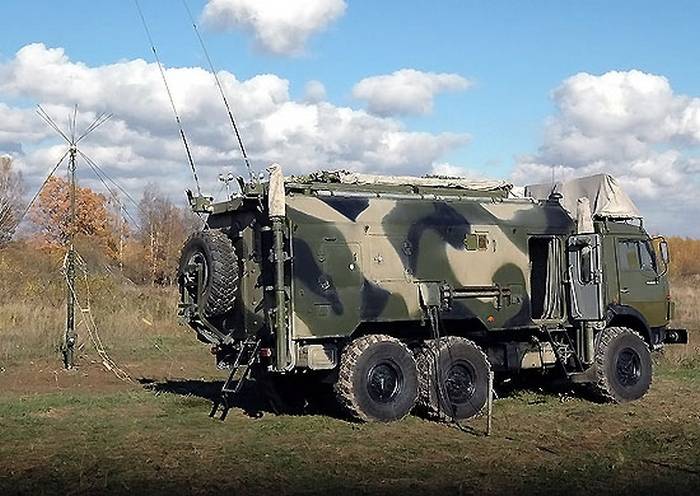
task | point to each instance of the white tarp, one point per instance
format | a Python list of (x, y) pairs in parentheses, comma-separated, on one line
[(275, 196), (605, 196), (345, 177), (584, 217)]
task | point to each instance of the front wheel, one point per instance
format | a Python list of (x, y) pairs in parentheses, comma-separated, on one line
[(623, 365)]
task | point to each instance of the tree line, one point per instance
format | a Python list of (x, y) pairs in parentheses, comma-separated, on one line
[(144, 245), (142, 242)]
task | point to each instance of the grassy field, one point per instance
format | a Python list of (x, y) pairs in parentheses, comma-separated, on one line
[(86, 432)]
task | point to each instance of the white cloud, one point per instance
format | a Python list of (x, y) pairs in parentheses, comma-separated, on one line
[(406, 91), (452, 170), (314, 92), (634, 126), (141, 143), (281, 27)]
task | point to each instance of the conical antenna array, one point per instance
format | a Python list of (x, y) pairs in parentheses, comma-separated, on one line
[(72, 137)]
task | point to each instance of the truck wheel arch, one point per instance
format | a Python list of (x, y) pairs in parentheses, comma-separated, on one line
[(626, 316)]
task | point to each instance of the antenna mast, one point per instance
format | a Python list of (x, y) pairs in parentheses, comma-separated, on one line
[(221, 91), (70, 337), (72, 139), (170, 97)]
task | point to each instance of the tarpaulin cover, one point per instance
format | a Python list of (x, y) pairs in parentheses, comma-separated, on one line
[(604, 194), (275, 198), (345, 177)]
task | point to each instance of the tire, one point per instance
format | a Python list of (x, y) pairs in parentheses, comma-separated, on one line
[(214, 250), (623, 365), (377, 379), (463, 386)]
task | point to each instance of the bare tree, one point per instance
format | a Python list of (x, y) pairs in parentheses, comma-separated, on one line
[(11, 203), (162, 231)]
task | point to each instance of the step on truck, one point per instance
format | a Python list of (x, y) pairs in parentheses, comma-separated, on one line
[(406, 293)]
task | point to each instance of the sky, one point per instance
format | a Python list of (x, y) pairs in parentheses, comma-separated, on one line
[(510, 90)]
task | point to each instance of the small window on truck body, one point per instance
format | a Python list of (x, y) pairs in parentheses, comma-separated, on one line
[(476, 241)]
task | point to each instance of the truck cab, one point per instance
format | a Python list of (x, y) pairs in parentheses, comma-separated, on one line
[(637, 288)]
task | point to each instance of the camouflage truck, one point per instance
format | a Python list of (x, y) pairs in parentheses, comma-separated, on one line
[(405, 292)]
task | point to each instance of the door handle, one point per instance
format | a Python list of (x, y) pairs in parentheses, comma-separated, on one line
[(624, 290), (653, 282)]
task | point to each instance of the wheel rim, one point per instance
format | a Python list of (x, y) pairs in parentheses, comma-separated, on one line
[(384, 382), (628, 367), (460, 383)]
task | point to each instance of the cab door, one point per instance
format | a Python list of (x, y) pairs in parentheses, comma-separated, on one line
[(640, 286)]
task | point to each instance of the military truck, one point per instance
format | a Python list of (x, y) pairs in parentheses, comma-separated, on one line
[(405, 292)]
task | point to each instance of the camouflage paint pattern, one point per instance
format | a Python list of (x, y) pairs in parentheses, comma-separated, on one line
[(360, 258), (358, 255)]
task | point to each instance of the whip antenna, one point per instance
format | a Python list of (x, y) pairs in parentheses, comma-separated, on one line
[(170, 97), (221, 90)]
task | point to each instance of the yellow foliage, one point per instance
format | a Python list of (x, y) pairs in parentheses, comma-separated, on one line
[(51, 214), (685, 256)]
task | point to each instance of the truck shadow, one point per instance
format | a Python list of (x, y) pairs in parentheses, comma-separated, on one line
[(254, 399), (257, 399), (545, 386)]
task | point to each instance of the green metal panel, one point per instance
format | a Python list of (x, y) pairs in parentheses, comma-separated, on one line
[(361, 259)]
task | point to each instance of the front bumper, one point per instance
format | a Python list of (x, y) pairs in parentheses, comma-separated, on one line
[(662, 336), (676, 336)]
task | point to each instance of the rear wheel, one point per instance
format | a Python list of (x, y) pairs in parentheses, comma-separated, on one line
[(377, 379), (212, 251), (453, 378), (623, 365)]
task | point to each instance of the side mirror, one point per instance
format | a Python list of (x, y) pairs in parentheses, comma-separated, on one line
[(661, 248), (663, 251)]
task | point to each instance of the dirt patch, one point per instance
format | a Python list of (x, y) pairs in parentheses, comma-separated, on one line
[(48, 376)]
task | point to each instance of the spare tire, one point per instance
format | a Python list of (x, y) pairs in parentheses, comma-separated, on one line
[(214, 252)]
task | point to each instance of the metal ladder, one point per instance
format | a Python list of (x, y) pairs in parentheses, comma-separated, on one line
[(245, 358), (562, 359)]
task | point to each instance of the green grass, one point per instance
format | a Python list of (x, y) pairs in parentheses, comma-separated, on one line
[(687, 370), (134, 440), (98, 436)]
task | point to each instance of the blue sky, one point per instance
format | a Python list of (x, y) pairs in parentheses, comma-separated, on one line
[(514, 53)]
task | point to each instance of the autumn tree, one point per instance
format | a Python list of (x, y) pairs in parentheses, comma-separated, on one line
[(51, 215), (11, 203), (163, 228), (120, 222)]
